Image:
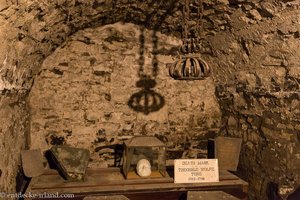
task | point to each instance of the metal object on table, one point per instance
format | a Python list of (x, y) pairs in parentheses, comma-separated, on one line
[(190, 65), (71, 162), (144, 147)]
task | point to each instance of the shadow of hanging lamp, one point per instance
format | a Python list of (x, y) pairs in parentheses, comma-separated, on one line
[(147, 100), (189, 65)]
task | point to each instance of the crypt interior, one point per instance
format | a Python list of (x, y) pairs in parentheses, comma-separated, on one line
[(94, 73)]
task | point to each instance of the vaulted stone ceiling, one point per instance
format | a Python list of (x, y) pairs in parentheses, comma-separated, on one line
[(252, 46), (36, 28)]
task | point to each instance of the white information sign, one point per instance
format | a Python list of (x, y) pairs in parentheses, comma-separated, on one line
[(196, 170)]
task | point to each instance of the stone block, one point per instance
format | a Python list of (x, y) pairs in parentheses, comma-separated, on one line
[(293, 157), (3, 4), (268, 9), (161, 116), (295, 72)]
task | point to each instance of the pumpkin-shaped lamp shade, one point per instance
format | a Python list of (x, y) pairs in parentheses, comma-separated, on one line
[(189, 67)]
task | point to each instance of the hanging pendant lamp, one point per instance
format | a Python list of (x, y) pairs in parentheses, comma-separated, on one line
[(189, 64)]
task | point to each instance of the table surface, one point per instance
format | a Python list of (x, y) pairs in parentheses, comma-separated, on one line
[(111, 181)]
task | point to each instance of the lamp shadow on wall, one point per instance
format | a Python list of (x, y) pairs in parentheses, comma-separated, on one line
[(147, 100)]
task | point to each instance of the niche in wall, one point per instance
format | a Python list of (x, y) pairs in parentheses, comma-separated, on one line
[(82, 94)]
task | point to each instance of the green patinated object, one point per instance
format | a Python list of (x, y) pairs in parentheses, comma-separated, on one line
[(72, 162)]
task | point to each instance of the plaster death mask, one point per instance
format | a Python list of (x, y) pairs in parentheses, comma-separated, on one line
[(143, 168)]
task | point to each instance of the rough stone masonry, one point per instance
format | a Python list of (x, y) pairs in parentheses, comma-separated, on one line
[(252, 46), (81, 96)]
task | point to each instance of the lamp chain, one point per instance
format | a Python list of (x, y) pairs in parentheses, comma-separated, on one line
[(192, 35)]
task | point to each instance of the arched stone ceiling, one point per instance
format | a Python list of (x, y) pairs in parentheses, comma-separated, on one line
[(32, 29)]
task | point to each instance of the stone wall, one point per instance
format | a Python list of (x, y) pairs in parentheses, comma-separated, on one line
[(251, 45), (13, 131), (88, 92), (13, 112), (260, 99)]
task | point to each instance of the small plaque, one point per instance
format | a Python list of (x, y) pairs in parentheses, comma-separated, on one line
[(196, 170)]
